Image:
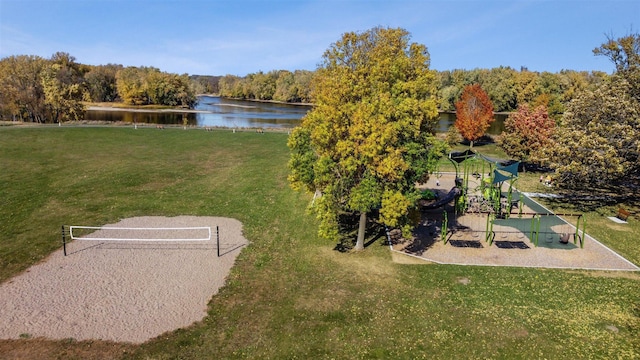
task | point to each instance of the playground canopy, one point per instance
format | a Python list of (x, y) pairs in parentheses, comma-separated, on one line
[(502, 170)]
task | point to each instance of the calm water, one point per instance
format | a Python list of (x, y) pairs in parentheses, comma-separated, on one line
[(219, 112)]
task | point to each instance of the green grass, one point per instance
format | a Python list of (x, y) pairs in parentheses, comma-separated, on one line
[(290, 295)]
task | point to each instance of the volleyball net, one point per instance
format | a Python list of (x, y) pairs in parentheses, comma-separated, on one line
[(175, 235)]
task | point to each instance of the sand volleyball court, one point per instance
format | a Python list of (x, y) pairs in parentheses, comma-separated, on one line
[(121, 291)]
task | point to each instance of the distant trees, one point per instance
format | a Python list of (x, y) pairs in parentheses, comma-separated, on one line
[(34, 89), (369, 138), (64, 89), (101, 83), (205, 84), (21, 92), (507, 88), (148, 85), (474, 113), (500, 84), (278, 85)]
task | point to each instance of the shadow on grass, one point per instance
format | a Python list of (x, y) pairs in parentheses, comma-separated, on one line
[(349, 227)]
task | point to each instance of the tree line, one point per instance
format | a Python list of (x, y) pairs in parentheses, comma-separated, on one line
[(277, 85), (50, 90), (35, 89), (506, 87)]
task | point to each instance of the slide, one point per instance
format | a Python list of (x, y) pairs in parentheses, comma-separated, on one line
[(453, 193)]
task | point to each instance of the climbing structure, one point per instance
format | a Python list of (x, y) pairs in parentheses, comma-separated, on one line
[(487, 206), (485, 194)]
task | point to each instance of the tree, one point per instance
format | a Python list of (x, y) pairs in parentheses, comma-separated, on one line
[(231, 86), (285, 89), (474, 113), (550, 96), (131, 85), (64, 88), (625, 55), (101, 83), (263, 86), (501, 88), (598, 142), (21, 93), (39, 90), (148, 85), (527, 85), (527, 131), (369, 138), (597, 145), (302, 85), (205, 84)]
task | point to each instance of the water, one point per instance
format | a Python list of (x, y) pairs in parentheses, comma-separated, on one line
[(214, 112), (218, 112)]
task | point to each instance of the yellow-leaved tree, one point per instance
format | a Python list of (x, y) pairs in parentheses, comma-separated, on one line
[(370, 136)]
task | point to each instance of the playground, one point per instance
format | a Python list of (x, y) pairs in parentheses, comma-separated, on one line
[(478, 217)]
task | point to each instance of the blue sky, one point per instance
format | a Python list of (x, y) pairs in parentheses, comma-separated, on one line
[(219, 37)]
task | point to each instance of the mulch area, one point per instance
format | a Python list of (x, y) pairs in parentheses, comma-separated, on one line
[(467, 245)]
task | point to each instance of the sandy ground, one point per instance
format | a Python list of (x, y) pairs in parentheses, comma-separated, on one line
[(121, 290), (508, 249)]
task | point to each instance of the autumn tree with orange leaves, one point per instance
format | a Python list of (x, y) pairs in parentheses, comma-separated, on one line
[(527, 131), (474, 113)]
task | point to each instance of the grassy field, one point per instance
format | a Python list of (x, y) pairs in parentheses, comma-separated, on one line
[(290, 294)]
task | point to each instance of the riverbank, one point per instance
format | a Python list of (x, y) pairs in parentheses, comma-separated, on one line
[(144, 110)]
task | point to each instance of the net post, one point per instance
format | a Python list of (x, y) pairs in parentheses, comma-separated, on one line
[(64, 242), (218, 240)]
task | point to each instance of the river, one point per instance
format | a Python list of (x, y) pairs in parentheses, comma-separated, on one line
[(213, 111)]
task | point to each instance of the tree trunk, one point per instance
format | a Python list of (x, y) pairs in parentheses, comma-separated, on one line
[(361, 230)]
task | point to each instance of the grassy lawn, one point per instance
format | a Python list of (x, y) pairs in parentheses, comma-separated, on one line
[(290, 295)]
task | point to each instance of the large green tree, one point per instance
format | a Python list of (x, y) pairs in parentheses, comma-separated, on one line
[(501, 87), (598, 143), (369, 138)]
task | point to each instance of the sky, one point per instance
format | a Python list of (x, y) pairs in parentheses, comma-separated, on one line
[(238, 37)]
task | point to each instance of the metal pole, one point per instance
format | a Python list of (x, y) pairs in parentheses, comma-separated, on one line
[(218, 240), (538, 229), (445, 225), (64, 242)]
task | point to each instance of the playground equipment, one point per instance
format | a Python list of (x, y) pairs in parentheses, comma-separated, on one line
[(487, 206), (490, 174)]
